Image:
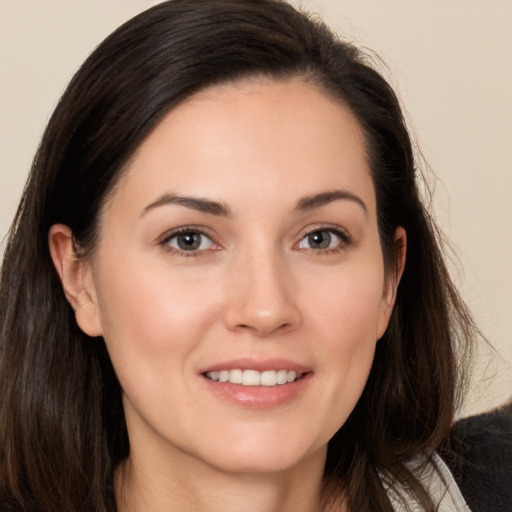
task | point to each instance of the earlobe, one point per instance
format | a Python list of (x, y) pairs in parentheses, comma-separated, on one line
[(76, 278), (392, 278)]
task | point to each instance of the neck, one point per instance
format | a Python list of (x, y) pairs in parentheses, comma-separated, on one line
[(143, 484)]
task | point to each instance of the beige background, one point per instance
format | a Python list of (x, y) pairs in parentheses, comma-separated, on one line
[(451, 62)]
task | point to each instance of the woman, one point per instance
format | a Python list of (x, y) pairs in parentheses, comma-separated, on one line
[(221, 289)]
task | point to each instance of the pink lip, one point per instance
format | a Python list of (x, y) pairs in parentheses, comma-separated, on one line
[(259, 365), (258, 397)]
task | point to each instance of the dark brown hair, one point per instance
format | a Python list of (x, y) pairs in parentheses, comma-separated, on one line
[(62, 429)]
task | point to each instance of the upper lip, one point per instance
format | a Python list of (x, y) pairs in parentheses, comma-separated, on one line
[(261, 365)]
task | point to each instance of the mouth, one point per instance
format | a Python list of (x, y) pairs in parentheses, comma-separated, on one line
[(257, 383), (254, 378)]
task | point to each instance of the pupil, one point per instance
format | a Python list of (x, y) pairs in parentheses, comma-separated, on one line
[(320, 239), (189, 241)]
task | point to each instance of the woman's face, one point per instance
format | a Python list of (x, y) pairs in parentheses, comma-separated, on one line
[(239, 280)]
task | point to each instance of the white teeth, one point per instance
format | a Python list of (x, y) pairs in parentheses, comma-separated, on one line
[(282, 376), (291, 376), (236, 376), (254, 378), (251, 378), (269, 378)]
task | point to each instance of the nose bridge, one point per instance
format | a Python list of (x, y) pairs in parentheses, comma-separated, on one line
[(261, 298)]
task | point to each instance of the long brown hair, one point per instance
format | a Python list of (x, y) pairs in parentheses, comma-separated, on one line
[(62, 429)]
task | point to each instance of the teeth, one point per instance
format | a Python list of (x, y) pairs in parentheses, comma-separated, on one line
[(254, 378), (282, 377), (236, 376), (251, 378), (268, 378)]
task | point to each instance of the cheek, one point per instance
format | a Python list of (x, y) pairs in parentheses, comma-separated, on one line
[(148, 310), (346, 324), (153, 322), (350, 306)]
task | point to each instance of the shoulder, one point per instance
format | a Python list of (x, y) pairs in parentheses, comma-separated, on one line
[(480, 459)]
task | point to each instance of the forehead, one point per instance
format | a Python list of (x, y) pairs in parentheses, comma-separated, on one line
[(253, 137)]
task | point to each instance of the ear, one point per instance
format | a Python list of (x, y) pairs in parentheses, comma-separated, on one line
[(392, 279), (76, 278)]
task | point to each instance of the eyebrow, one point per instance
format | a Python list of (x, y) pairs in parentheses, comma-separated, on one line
[(195, 203), (323, 198), (223, 210)]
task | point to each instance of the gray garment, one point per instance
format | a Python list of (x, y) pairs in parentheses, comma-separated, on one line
[(438, 481)]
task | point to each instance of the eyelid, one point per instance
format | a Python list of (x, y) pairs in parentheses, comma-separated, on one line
[(164, 239), (342, 233), (325, 227)]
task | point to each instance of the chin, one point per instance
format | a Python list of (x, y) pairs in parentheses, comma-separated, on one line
[(260, 457)]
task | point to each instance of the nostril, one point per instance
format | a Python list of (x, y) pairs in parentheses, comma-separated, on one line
[(265, 330)]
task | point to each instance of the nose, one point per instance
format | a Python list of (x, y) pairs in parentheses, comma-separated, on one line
[(261, 297)]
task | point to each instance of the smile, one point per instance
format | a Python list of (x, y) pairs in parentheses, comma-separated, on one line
[(267, 378)]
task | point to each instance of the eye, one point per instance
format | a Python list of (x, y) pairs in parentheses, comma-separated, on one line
[(189, 240), (323, 239)]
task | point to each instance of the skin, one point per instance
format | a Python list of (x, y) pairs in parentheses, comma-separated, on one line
[(258, 287)]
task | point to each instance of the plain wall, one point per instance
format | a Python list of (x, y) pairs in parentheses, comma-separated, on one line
[(451, 63)]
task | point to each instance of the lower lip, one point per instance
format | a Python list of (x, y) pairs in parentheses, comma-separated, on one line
[(259, 397)]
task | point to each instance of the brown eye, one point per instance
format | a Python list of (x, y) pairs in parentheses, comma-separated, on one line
[(190, 241)]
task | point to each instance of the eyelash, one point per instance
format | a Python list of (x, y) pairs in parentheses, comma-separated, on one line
[(186, 230), (345, 240), (165, 240)]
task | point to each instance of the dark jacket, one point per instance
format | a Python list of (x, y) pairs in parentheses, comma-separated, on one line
[(481, 460)]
